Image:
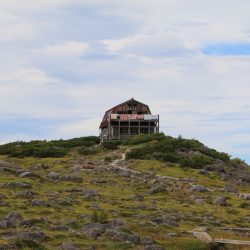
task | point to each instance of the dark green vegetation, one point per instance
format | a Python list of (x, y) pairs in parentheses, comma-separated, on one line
[(88, 199), (43, 149), (176, 150)]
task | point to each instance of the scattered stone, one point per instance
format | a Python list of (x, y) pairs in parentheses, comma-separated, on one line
[(204, 171), (230, 188), (29, 174), (14, 217), (147, 241), (53, 175), (32, 235), (158, 188), (32, 222), (26, 194), (19, 185), (11, 220), (6, 224), (123, 237), (138, 197), (5, 164), (90, 194), (220, 201), (224, 177), (153, 247), (68, 246), (118, 223), (197, 188), (40, 165), (244, 196), (97, 181), (94, 230), (165, 220), (40, 203), (71, 177), (58, 228)]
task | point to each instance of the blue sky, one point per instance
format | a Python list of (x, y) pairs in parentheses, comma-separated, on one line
[(64, 62)]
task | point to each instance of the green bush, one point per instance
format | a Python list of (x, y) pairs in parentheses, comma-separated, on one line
[(110, 144), (198, 161), (56, 148), (99, 217), (87, 150), (143, 138)]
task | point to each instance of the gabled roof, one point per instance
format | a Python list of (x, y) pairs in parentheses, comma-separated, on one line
[(108, 112)]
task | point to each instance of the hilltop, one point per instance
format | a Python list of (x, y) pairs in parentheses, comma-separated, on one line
[(148, 193)]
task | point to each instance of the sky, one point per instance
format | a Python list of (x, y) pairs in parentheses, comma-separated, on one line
[(64, 62)]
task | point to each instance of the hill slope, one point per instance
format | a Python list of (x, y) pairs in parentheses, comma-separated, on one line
[(88, 196)]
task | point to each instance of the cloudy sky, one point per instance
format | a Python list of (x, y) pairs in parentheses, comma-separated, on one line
[(64, 62)]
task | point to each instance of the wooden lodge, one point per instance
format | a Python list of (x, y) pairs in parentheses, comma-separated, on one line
[(128, 119)]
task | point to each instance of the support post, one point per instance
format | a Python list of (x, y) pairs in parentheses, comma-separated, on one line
[(129, 131), (119, 130)]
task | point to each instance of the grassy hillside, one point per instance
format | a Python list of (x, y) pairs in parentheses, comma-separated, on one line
[(77, 194)]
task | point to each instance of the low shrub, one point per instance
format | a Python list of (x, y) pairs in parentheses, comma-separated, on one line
[(99, 217), (110, 144), (87, 150)]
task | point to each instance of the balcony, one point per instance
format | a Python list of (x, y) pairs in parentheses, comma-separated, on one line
[(133, 117)]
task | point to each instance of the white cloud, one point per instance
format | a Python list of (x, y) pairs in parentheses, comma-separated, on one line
[(70, 60), (65, 49)]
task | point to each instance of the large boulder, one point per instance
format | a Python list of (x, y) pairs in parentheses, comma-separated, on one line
[(220, 201), (29, 174), (68, 246), (26, 194), (94, 230), (123, 237)]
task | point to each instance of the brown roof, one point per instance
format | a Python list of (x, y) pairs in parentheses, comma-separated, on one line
[(106, 116)]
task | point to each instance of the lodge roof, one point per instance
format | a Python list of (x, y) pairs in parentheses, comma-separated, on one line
[(108, 112)]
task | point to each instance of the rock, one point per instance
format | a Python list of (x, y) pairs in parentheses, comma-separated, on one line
[(165, 220), (11, 220), (58, 228), (6, 224), (71, 177), (40, 203), (5, 164), (19, 185), (204, 171), (137, 197), (197, 188), (29, 174), (32, 222), (220, 201), (26, 194), (40, 165), (158, 188), (32, 235), (244, 196), (199, 201), (97, 181), (14, 217), (147, 241), (53, 176), (118, 223), (68, 246), (95, 229), (230, 188), (123, 237), (224, 177), (90, 194), (153, 247)]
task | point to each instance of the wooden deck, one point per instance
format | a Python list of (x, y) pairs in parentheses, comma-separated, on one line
[(205, 237)]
